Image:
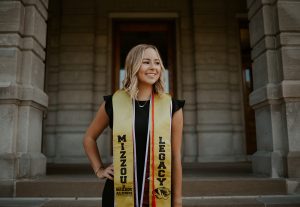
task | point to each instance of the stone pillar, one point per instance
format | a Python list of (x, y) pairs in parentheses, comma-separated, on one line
[(75, 80), (289, 37), (219, 117), (274, 34), (235, 80), (190, 150), (22, 97), (51, 80), (102, 74)]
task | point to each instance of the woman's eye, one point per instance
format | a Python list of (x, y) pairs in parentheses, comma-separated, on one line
[(146, 62)]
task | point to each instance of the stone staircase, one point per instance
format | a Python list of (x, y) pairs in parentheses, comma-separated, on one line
[(205, 185)]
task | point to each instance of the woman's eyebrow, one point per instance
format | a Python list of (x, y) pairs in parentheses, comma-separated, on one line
[(149, 59)]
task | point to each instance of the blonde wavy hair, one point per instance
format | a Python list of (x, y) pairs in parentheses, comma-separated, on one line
[(133, 63)]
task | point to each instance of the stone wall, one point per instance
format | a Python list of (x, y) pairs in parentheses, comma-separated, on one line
[(220, 128), (76, 69)]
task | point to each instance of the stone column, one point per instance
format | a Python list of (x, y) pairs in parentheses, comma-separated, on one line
[(289, 37), (274, 34), (219, 116), (187, 74), (102, 79), (51, 80), (74, 102), (238, 147), (22, 97)]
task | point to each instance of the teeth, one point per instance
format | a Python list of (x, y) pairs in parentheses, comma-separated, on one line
[(152, 75)]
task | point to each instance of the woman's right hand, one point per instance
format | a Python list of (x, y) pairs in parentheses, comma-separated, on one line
[(107, 172)]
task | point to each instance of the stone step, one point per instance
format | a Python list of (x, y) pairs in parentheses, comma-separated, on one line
[(237, 201), (244, 201), (85, 186), (233, 186), (189, 169)]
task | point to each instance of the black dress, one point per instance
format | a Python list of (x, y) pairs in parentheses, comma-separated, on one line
[(141, 127)]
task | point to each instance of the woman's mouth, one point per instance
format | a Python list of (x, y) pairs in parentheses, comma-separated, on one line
[(151, 74)]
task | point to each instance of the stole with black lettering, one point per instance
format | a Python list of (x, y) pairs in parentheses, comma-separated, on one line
[(162, 157), (123, 169)]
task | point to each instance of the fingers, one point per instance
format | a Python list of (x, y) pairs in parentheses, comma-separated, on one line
[(108, 172)]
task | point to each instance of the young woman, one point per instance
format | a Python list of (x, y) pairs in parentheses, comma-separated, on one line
[(147, 132)]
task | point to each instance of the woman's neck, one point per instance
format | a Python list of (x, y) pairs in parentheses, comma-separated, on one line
[(144, 93)]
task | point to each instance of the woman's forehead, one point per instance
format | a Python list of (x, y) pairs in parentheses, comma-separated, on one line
[(150, 53)]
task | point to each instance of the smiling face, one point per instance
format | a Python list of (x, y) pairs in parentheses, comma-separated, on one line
[(150, 69), (144, 68)]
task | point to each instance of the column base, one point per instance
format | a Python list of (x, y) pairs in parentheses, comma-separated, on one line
[(272, 164), (22, 165), (293, 162), (6, 188)]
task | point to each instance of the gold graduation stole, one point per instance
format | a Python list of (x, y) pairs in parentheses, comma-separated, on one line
[(124, 156)]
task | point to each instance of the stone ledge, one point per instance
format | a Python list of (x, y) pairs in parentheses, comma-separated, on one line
[(27, 43), (263, 94), (40, 5), (291, 88), (11, 40), (287, 89), (30, 43), (10, 91), (269, 42), (289, 38)]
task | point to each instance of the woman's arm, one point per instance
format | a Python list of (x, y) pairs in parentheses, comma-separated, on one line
[(177, 126), (97, 126)]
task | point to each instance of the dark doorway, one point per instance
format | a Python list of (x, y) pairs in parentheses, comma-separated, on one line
[(247, 85), (128, 33)]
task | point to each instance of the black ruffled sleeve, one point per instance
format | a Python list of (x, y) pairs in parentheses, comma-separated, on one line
[(177, 104), (109, 109)]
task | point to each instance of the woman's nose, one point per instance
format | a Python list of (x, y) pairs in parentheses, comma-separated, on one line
[(153, 66)]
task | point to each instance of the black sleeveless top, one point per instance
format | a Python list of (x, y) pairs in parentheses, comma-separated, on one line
[(141, 131)]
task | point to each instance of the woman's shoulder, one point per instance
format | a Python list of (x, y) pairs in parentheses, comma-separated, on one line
[(109, 108), (107, 98), (177, 104), (108, 101)]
